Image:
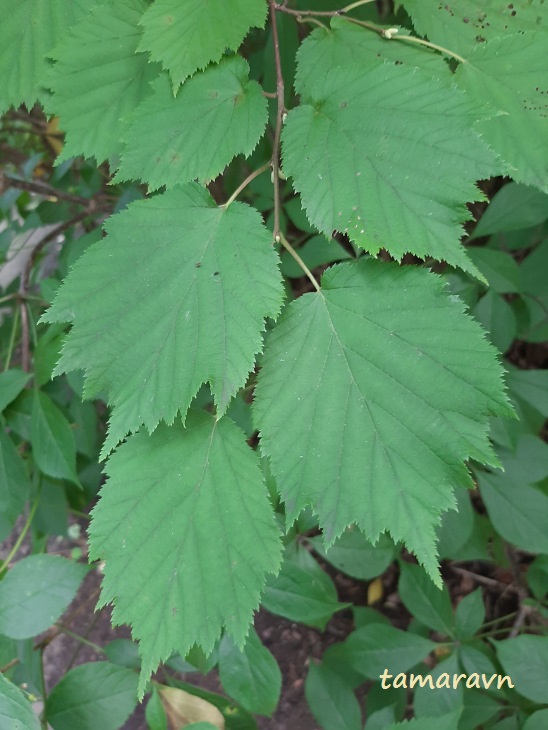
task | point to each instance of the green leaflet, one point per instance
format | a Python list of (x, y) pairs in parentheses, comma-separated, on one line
[(99, 79), (186, 35), (510, 74), (14, 481), (174, 297), (188, 534), (217, 115), (388, 156), (372, 395), (30, 30), (346, 44), (459, 25), (15, 708)]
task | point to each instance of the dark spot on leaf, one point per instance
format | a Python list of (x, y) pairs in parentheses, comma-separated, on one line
[(343, 105), (197, 264), (215, 273)]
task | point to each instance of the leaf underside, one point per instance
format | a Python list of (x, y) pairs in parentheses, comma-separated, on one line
[(158, 307), (187, 533), (372, 395)]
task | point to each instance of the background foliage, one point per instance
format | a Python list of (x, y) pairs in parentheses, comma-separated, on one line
[(280, 400)]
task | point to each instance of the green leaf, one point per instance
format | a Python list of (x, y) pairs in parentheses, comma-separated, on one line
[(30, 29), (16, 712), (531, 386), (302, 592), (371, 652), (12, 383), (99, 79), (514, 207), (527, 462), (499, 268), (509, 74), (355, 555), (14, 481), (250, 675), (94, 695), (469, 615), (456, 526), (331, 699), (35, 592), (155, 713), (152, 323), (537, 721), (462, 25), (349, 371), (427, 603), (537, 576), (345, 44), (184, 512), (124, 653), (525, 660), (380, 166), (52, 440), (445, 722), (444, 698), (498, 318), (217, 115), (517, 511), (186, 36)]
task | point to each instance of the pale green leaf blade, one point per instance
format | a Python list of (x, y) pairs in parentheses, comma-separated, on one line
[(35, 592), (16, 711), (99, 79), (175, 296), (52, 440), (30, 30), (14, 480), (390, 157), (92, 696), (217, 115), (345, 44), (461, 25), (509, 74), (186, 35), (250, 675), (185, 513), (383, 369)]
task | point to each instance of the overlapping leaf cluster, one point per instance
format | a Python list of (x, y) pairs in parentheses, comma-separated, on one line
[(375, 389)]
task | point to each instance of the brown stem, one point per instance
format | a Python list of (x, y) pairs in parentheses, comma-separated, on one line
[(301, 13), (280, 94), (40, 188)]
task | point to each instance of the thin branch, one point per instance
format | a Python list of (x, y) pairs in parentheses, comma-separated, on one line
[(40, 188), (249, 178), (280, 95), (301, 13), (422, 42), (21, 537), (48, 239), (289, 248)]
